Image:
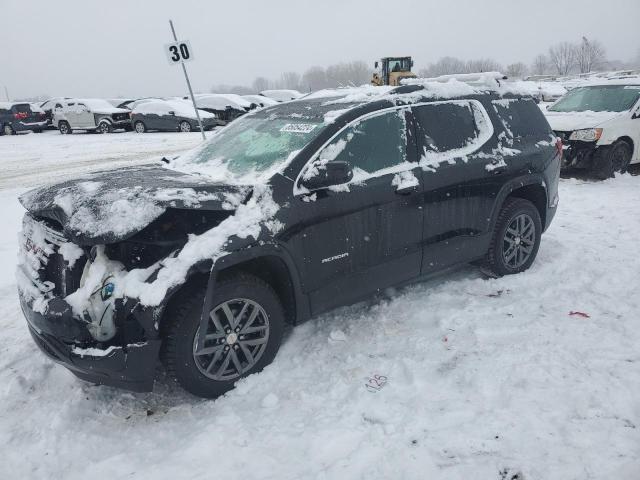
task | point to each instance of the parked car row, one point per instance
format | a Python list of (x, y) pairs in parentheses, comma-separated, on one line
[(170, 114)]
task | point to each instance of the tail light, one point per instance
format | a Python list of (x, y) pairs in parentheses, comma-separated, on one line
[(20, 115), (559, 146)]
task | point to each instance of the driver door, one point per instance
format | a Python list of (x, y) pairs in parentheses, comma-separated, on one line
[(83, 117), (366, 235)]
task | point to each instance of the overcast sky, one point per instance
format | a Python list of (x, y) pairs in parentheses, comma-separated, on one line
[(115, 47)]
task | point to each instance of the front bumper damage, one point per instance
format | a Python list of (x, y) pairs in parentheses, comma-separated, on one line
[(66, 340), (127, 359), (577, 154)]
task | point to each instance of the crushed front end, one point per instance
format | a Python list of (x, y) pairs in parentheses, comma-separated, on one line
[(107, 340)]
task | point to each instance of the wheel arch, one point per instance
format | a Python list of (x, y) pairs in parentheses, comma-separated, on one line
[(533, 189), (270, 263), (627, 139)]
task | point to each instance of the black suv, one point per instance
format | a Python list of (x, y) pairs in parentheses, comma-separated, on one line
[(286, 213)]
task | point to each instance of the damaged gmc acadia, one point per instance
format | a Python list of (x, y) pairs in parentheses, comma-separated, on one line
[(288, 212)]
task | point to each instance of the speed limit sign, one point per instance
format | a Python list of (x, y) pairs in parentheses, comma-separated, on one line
[(178, 52)]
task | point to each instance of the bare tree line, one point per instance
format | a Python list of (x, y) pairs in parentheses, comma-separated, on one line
[(314, 78), (561, 59)]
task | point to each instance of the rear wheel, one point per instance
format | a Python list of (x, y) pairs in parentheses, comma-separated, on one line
[(140, 127), (242, 336), (615, 158), (8, 130), (104, 127), (516, 238), (64, 128), (185, 126)]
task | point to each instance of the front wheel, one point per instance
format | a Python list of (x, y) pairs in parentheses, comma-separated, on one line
[(608, 160), (242, 335), (140, 127), (185, 126), (516, 238), (104, 127), (65, 128), (8, 130)]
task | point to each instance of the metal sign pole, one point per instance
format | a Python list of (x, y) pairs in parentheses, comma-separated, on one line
[(184, 69), (6, 92)]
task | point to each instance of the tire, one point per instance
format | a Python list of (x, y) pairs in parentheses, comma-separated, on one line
[(8, 130), (64, 128), (185, 126), (514, 245), (211, 375), (104, 127), (608, 160), (140, 127)]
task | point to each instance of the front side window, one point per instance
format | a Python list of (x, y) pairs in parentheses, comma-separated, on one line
[(371, 145), (602, 98)]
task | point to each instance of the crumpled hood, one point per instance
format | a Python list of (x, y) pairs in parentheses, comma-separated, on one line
[(110, 206), (570, 121)]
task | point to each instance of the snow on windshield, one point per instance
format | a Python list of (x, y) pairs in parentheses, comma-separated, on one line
[(598, 98), (250, 150), (97, 104)]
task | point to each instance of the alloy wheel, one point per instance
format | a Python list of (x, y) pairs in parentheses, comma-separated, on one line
[(185, 127), (8, 130), (139, 127), (518, 241), (235, 338)]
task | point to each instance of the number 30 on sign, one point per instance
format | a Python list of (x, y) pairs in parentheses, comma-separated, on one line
[(178, 52)]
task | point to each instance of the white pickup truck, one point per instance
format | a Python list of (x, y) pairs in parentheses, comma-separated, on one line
[(92, 114)]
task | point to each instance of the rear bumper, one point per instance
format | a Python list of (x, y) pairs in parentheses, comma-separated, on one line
[(60, 336), (25, 126)]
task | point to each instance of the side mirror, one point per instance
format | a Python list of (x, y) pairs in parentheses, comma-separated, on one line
[(375, 65), (326, 174), (172, 112)]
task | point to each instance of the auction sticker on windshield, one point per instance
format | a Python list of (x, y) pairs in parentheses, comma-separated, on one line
[(298, 127)]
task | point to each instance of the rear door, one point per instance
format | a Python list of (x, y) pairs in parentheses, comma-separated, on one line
[(84, 118), (462, 176), (364, 236)]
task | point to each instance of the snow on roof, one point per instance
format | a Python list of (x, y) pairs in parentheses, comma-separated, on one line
[(181, 108), (96, 104), (221, 101), (260, 99), (626, 80), (281, 95)]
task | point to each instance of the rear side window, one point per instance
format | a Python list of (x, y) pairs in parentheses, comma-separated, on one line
[(372, 144), (445, 126), (521, 117), (21, 108)]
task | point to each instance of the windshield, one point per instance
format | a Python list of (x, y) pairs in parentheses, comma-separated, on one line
[(250, 149), (604, 98)]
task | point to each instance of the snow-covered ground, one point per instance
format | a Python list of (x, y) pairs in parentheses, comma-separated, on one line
[(537, 373)]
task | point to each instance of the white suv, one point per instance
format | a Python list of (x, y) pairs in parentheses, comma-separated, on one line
[(599, 125), (90, 114)]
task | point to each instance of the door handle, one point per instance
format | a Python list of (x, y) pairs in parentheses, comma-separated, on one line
[(407, 190)]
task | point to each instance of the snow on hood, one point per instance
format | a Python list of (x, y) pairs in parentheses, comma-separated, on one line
[(569, 121), (114, 205), (281, 95)]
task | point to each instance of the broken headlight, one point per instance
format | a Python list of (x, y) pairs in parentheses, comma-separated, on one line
[(586, 135)]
